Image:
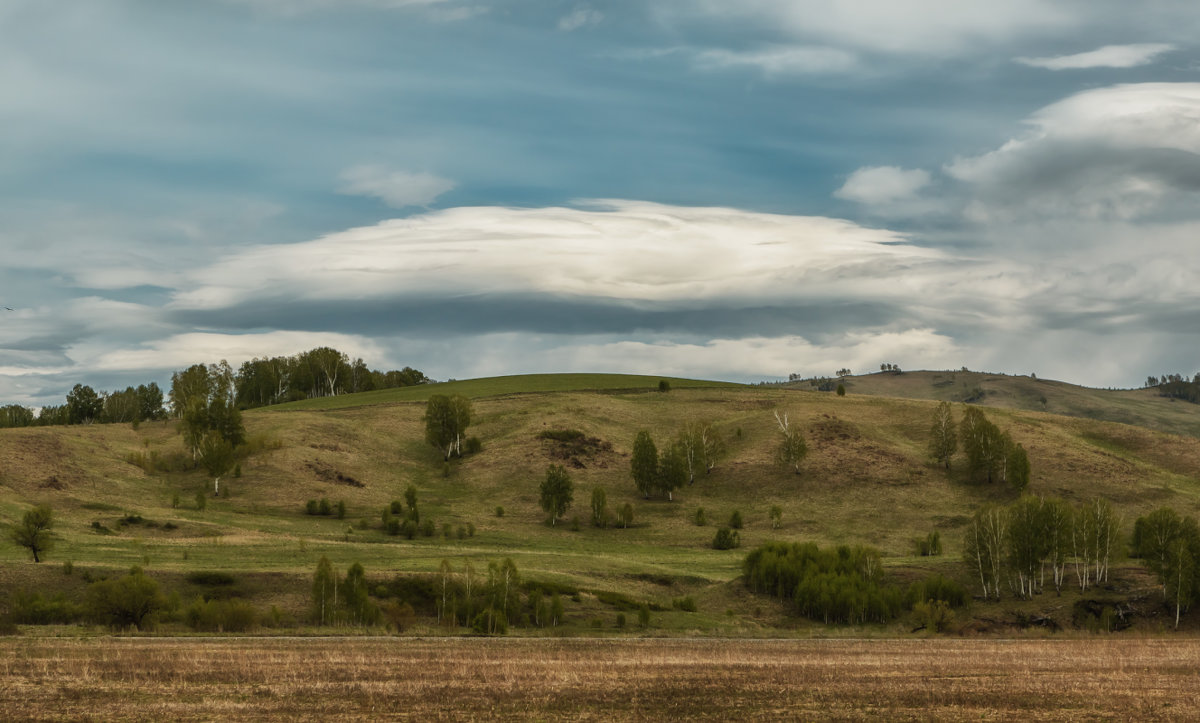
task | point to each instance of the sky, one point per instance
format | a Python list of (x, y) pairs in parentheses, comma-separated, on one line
[(697, 188)]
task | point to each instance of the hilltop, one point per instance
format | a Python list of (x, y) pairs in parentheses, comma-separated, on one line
[(867, 480), (1139, 407)]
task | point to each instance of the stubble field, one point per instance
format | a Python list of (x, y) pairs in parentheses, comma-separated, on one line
[(310, 679)]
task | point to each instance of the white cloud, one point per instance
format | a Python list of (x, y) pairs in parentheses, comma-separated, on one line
[(617, 250), (1114, 152), (182, 350), (1110, 56), (578, 18), (779, 60), (878, 185), (398, 189)]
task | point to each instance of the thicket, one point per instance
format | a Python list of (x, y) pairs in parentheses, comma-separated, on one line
[(839, 585)]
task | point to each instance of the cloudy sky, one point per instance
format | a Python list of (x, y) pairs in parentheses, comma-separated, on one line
[(692, 187)]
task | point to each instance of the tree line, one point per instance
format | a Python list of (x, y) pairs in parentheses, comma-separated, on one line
[(990, 452), (319, 372)]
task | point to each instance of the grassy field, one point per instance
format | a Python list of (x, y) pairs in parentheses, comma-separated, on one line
[(867, 480), (469, 679)]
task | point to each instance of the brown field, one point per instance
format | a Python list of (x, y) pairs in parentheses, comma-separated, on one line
[(309, 679)]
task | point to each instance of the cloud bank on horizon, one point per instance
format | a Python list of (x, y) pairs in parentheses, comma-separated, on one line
[(699, 189)]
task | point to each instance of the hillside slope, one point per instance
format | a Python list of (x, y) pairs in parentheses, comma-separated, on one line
[(867, 480), (1141, 407)]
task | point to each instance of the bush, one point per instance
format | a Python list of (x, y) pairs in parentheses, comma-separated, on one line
[(644, 616), (132, 600), (490, 622), (324, 508), (620, 620), (30, 608), (664, 385), (201, 501), (470, 529), (221, 616), (341, 509), (399, 616), (929, 546), (726, 539), (408, 528), (461, 533), (699, 518), (499, 510), (427, 528), (686, 604), (310, 507), (393, 526), (935, 615), (735, 520), (473, 446), (936, 587)]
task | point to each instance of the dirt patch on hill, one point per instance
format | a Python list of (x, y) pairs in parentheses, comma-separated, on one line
[(327, 473), (575, 448)]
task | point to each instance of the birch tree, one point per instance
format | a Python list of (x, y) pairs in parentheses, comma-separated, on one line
[(792, 448), (983, 548), (446, 420), (943, 436)]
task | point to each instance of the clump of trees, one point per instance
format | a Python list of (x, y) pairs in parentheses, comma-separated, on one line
[(84, 405), (342, 602), (654, 474), (839, 585), (1013, 546), (1169, 545), (991, 453), (446, 421), (1176, 386)]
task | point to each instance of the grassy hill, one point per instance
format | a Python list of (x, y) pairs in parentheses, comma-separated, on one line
[(867, 480), (1140, 407)]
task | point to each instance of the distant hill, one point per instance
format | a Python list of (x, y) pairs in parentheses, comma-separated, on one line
[(1140, 407)]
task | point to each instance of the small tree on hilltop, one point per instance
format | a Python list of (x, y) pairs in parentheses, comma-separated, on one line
[(557, 492), (599, 507), (216, 455), (33, 532)]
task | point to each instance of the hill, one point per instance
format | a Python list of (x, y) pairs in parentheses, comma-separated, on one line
[(1140, 407), (867, 479)]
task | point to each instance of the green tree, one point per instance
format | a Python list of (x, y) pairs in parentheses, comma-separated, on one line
[(1028, 543), (324, 593), (33, 532), (446, 419), (599, 507), (672, 471), (792, 448), (217, 457), (557, 491), (1058, 521), (983, 444), (1016, 466), (625, 516), (776, 516), (1152, 538), (14, 415), (644, 464), (131, 600), (84, 405), (943, 437), (356, 601)]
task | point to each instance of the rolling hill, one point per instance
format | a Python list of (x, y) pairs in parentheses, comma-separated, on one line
[(867, 479)]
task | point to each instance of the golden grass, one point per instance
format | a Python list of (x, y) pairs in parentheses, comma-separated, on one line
[(311, 679)]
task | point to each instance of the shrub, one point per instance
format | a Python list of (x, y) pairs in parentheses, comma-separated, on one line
[(699, 518), (620, 620), (686, 604), (490, 622), (461, 533), (427, 528), (934, 615), (399, 616), (499, 510), (30, 608), (664, 385), (726, 539), (201, 501), (735, 520), (132, 600), (310, 507), (68, 567), (393, 526), (408, 528), (644, 616), (473, 446), (931, 545), (936, 587), (341, 509), (175, 501), (323, 507), (470, 529), (447, 530), (228, 616)]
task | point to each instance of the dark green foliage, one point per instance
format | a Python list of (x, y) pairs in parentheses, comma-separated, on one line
[(33, 531), (621, 620), (30, 608), (841, 390), (556, 492), (129, 601), (446, 419), (222, 616), (943, 440), (936, 587), (473, 446), (499, 510), (625, 516), (1170, 546), (428, 528), (644, 463), (644, 616), (490, 622), (600, 513), (341, 509), (726, 539), (735, 520), (310, 508), (408, 528), (324, 508), (396, 507), (699, 517), (393, 526), (839, 585), (664, 385), (686, 604), (929, 546), (210, 578)]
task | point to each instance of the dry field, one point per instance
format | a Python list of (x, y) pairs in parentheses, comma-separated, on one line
[(310, 679)]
